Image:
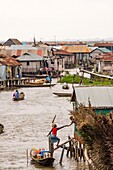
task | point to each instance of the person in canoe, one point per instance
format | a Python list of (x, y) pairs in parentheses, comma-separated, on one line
[(53, 133), (16, 94)]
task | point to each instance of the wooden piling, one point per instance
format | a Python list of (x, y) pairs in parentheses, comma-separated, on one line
[(27, 156), (62, 154), (51, 146)]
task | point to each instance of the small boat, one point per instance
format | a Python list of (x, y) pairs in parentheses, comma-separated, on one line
[(21, 97), (35, 85), (62, 94), (43, 158), (37, 82), (1, 128), (65, 86), (2, 87)]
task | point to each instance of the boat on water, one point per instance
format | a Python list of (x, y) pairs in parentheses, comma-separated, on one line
[(2, 87), (1, 128), (35, 85), (63, 94), (65, 86), (41, 157), (21, 97)]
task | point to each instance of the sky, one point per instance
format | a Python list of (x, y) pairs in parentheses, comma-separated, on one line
[(56, 20)]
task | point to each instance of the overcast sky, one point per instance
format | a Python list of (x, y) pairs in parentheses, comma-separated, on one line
[(56, 19)]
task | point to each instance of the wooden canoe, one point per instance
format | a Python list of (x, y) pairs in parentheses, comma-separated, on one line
[(35, 85), (45, 160), (1, 128), (21, 97), (62, 94)]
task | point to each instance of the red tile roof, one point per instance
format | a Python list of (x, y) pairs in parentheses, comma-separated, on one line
[(9, 61), (103, 44)]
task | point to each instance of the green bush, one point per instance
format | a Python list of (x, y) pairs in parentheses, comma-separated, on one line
[(86, 81)]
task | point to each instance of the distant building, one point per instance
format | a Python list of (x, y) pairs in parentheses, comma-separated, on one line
[(12, 41), (108, 45)]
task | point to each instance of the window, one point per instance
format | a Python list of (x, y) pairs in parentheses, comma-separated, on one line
[(28, 63)]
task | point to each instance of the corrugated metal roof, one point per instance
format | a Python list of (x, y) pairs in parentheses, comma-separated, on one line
[(99, 96), (21, 47), (30, 57), (16, 41), (103, 44), (8, 61), (77, 49), (61, 52), (105, 50)]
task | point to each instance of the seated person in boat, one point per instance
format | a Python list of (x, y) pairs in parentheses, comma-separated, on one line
[(50, 78), (16, 94), (22, 95), (53, 133), (65, 86), (47, 79)]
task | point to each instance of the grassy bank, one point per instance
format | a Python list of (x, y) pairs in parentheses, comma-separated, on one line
[(86, 81)]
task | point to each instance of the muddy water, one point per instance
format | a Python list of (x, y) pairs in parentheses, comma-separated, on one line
[(27, 124)]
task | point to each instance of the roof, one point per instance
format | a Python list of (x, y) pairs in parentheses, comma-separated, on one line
[(99, 96), (30, 57), (106, 56), (104, 44), (61, 52), (77, 49), (8, 61), (15, 41), (21, 47), (104, 50)]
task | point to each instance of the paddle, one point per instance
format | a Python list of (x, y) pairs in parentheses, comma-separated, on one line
[(52, 123)]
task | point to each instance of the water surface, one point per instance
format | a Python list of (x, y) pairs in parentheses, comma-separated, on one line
[(27, 124)]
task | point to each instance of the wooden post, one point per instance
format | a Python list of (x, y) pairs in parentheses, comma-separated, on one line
[(52, 149), (70, 146), (27, 156), (51, 146), (62, 154), (76, 151), (83, 152)]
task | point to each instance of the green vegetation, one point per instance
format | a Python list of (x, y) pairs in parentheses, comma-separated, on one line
[(97, 81)]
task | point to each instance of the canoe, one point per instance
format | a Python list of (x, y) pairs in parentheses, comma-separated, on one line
[(1, 128), (65, 87), (15, 99), (45, 160), (35, 85), (62, 94), (21, 97)]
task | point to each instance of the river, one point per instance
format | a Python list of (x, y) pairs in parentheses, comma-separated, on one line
[(26, 125)]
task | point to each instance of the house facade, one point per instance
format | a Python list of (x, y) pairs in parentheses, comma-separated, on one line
[(9, 67), (59, 59), (81, 54), (30, 63), (104, 63)]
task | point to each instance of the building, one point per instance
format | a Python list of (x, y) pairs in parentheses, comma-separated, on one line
[(30, 63), (9, 67)]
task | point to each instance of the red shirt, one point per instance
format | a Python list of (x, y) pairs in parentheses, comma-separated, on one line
[(54, 131)]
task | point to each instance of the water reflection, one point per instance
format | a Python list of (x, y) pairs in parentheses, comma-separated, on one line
[(27, 124)]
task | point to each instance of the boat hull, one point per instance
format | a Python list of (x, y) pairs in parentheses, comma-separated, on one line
[(63, 94), (44, 161)]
